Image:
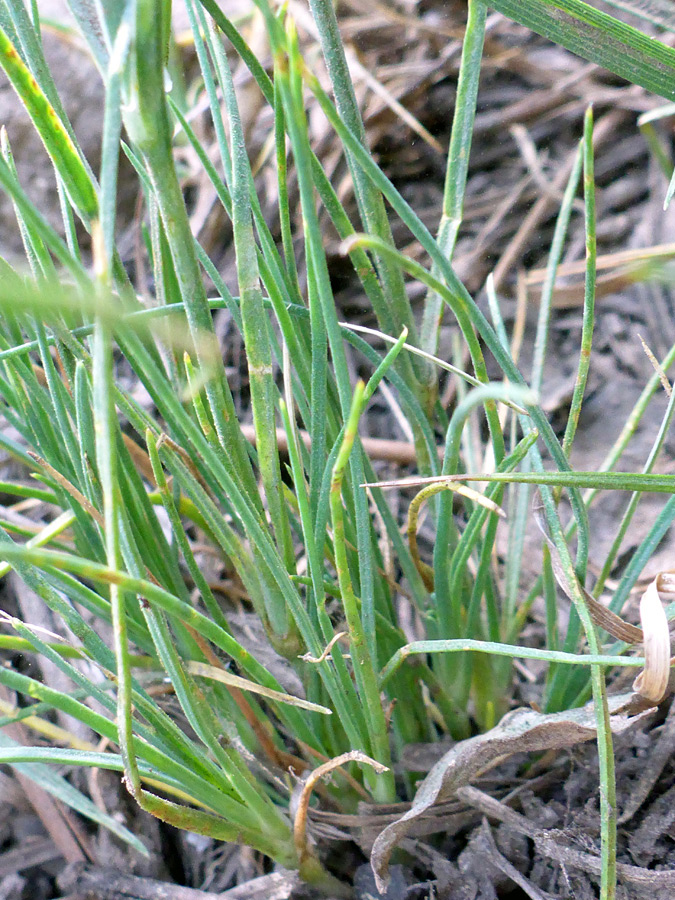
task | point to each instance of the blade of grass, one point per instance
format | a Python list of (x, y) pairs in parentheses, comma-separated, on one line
[(604, 733), (371, 204), (589, 287), (598, 481), (490, 647), (148, 123), (383, 787), (58, 142), (254, 319), (457, 169), (59, 788), (599, 37)]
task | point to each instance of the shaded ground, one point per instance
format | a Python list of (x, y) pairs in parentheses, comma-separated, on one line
[(531, 106)]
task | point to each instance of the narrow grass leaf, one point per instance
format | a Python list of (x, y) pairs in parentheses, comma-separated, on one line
[(61, 790), (599, 37), (58, 142)]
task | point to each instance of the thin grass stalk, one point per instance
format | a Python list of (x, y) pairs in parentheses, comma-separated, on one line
[(348, 705), (456, 171), (84, 423), (68, 219), (465, 645), (604, 732), (448, 606), (588, 320), (455, 294), (493, 687), (569, 688), (362, 265), (472, 531), (554, 257), (632, 422), (112, 130), (322, 324), (105, 429), (254, 319), (179, 533), (105, 423), (383, 787), (166, 285), (150, 130), (267, 242), (371, 204), (550, 600), (278, 300), (326, 317), (282, 187), (596, 480), (462, 305), (199, 31)]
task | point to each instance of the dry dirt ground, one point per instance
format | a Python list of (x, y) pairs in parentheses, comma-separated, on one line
[(531, 105)]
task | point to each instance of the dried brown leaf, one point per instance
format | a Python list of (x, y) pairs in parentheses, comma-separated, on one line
[(652, 682), (522, 730)]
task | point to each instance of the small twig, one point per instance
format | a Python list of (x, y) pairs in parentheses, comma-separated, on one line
[(69, 488), (400, 452), (564, 855), (307, 657), (302, 805), (109, 884), (60, 824), (503, 864), (657, 367)]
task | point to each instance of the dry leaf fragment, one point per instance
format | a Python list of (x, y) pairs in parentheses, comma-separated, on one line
[(300, 800), (652, 682), (522, 730), (205, 671), (601, 615)]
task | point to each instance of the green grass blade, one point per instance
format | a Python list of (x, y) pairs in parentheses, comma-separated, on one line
[(599, 481), (494, 648), (364, 671), (255, 324), (588, 321), (58, 142), (61, 790), (457, 164), (148, 124), (596, 36), (369, 199)]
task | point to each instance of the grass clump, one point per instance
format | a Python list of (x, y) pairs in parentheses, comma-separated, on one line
[(134, 493)]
